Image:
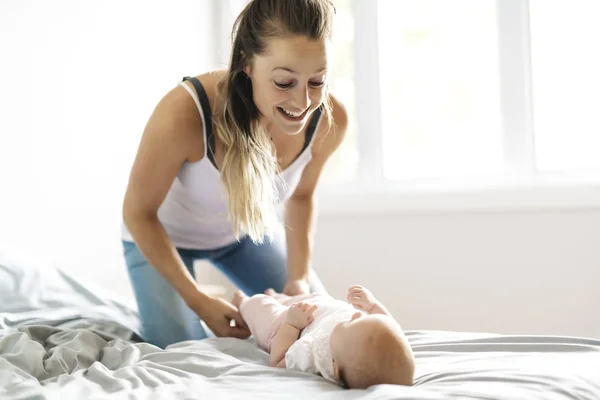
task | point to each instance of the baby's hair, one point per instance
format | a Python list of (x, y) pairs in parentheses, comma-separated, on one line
[(382, 357)]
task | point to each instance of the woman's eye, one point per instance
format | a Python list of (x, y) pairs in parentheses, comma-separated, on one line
[(283, 85), (289, 85)]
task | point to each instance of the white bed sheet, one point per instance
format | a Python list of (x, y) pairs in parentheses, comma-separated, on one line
[(60, 339)]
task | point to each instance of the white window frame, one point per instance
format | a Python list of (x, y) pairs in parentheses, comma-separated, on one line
[(516, 90), (368, 113), (523, 188)]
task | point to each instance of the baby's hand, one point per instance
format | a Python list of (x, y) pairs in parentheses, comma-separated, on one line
[(361, 298), (300, 314)]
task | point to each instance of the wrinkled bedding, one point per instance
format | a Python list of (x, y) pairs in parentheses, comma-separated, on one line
[(63, 339)]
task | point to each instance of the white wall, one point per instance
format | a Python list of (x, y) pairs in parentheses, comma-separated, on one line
[(508, 272), (78, 81), (533, 272)]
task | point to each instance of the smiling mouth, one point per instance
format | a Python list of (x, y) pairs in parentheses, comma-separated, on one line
[(292, 116)]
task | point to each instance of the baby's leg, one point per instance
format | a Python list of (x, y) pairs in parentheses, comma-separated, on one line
[(263, 315), (289, 300), (238, 298), (277, 296)]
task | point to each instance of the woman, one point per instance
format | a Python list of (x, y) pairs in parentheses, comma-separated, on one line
[(218, 156)]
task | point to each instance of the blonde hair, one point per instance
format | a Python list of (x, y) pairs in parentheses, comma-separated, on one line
[(250, 169)]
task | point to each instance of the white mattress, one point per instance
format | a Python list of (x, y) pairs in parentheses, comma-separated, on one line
[(62, 339)]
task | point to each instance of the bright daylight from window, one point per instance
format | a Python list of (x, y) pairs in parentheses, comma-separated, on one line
[(566, 83), (440, 86), (343, 166)]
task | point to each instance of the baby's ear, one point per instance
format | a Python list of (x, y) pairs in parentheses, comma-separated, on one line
[(336, 371)]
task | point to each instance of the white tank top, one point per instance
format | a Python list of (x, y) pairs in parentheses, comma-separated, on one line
[(195, 210)]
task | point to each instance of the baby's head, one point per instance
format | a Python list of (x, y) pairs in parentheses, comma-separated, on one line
[(370, 350)]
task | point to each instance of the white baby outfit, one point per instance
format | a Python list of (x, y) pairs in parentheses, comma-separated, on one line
[(311, 352)]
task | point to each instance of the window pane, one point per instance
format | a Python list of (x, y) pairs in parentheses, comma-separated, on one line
[(439, 87), (566, 83), (343, 165)]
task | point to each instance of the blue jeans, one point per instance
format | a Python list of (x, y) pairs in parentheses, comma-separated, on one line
[(166, 318)]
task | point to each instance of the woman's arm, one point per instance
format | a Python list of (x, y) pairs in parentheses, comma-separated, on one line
[(163, 148), (166, 142), (300, 208), (299, 225)]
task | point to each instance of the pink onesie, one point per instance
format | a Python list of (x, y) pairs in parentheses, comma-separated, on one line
[(264, 314)]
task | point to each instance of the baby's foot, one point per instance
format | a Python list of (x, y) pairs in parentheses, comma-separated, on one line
[(238, 297)]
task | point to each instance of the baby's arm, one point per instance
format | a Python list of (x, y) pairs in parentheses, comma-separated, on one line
[(285, 337), (298, 316), (362, 299), (379, 308)]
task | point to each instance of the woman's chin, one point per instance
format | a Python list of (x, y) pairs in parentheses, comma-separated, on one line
[(287, 129)]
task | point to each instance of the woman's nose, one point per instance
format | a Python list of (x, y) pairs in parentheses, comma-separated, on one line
[(301, 98)]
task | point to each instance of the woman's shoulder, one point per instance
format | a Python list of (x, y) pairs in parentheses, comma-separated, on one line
[(332, 128), (211, 82), (176, 116), (339, 114), (180, 101)]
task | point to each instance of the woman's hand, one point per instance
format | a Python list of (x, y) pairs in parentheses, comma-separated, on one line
[(217, 314), (294, 287)]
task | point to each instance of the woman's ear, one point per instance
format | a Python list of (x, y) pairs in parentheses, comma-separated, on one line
[(248, 68)]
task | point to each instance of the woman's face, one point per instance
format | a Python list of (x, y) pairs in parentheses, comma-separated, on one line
[(289, 82)]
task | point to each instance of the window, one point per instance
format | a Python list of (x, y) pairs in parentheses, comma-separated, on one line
[(438, 69), (566, 84), (343, 167), (464, 91)]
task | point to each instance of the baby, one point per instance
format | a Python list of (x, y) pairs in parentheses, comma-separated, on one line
[(318, 334)]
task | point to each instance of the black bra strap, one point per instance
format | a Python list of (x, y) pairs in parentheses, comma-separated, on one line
[(205, 104), (312, 126)]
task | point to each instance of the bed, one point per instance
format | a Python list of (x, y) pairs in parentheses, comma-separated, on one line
[(63, 338)]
